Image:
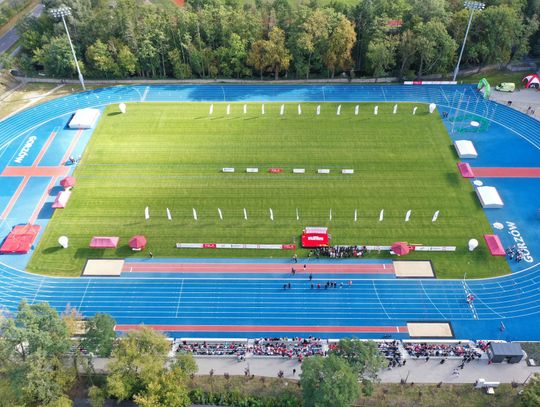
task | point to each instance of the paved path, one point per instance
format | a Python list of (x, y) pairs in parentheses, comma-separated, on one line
[(11, 37), (417, 371)]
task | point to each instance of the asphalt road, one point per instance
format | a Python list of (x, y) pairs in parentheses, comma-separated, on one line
[(11, 37)]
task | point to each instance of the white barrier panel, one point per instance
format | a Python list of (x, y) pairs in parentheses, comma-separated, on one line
[(299, 170), (347, 171), (378, 247), (252, 170), (435, 248), (430, 82), (228, 169), (323, 171), (235, 246)]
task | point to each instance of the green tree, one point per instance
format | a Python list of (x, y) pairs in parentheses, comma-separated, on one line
[(531, 393), (363, 357), (277, 54), (257, 57), (186, 363), (100, 59), (436, 49), (381, 55), (328, 381), (100, 336), (137, 360), (337, 53), (167, 389)]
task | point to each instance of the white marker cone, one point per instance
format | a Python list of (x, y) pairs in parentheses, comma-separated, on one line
[(245, 109), (228, 109), (297, 215), (271, 214), (262, 108), (355, 215), (146, 213), (395, 109), (435, 216), (381, 215), (318, 110), (282, 110), (195, 214), (408, 215), (211, 109), (338, 110), (169, 214), (245, 214), (376, 110), (330, 217), (299, 109), (414, 110), (356, 108), (220, 214)]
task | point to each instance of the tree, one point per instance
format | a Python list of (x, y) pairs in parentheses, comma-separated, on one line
[(100, 59), (340, 43), (100, 336), (328, 381), (531, 393), (436, 49), (32, 345), (167, 389), (186, 363), (137, 360), (257, 56), (381, 55), (363, 357), (277, 54)]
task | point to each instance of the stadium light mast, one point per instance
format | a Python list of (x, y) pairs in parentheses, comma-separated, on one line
[(473, 6), (63, 12)]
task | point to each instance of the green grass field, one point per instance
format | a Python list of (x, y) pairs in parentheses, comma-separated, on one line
[(170, 155)]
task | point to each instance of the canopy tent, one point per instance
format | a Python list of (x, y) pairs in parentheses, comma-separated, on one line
[(68, 182), (400, 248), (465, 149), (104, 242), (20, 239), (494, 245), (84, 119), (61, 200), (137, 242), (500, 351), (489, 197), (315, 237)]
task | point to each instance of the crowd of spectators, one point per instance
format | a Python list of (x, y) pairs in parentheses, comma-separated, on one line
[(213, 349), (291, 348), (339, 252), (444, 350)]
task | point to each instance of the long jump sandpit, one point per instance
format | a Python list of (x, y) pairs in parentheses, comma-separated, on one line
[(413, 269), (103, 268), (430, 330)]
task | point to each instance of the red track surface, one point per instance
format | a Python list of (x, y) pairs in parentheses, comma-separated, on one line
[(266, 328), (152, 267), (35, 171), (500, 172)]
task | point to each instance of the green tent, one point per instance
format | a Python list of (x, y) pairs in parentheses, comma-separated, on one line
[(484, 86)]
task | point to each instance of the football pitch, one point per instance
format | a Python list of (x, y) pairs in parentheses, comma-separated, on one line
[(170, 155)]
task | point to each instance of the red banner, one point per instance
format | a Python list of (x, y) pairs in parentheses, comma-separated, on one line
[(275, 170), (209, 246), (314, 239)]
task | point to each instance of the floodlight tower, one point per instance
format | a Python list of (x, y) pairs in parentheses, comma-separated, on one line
[(473, 6), (63, 12)]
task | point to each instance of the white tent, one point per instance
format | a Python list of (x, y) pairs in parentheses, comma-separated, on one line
[(465, 149), (84, 119), (489, 197)]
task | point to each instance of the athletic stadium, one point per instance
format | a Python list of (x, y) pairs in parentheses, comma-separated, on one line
[(193, 209)]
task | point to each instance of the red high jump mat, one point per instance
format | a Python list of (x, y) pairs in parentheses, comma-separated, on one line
[(20, 239)]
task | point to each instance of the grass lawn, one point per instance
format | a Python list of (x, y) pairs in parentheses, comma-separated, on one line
[(167, 155)]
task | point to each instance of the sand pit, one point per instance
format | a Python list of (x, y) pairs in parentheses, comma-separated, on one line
[(430, 330), (103, 267), (413, 269)]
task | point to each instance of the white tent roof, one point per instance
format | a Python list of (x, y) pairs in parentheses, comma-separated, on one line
[(84, 119), (465, 149), (489, 197)]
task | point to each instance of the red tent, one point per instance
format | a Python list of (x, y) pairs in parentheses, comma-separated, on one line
[(68, 182), (401, 248), (137, 242)]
